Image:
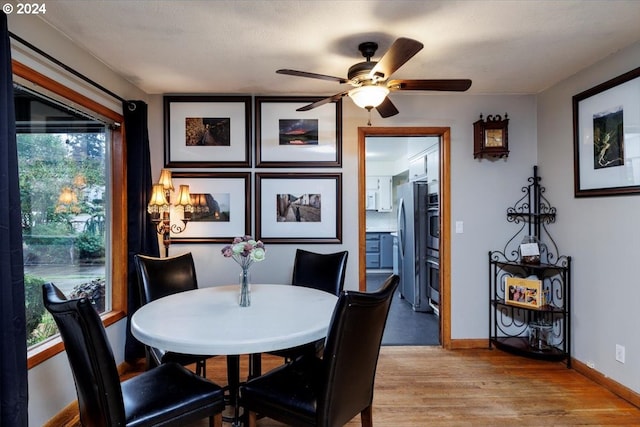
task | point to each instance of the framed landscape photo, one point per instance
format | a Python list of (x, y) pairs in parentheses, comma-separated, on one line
[(606, 119), (207, 131), (299, 207), (289, 138), (221, 206)]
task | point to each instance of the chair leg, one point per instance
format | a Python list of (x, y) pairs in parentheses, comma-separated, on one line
[(150, 362), (255, 365), (366, 418), (201, 368), (216, 420), (252, 419)]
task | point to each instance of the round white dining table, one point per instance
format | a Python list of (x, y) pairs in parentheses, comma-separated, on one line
[(209, 321)]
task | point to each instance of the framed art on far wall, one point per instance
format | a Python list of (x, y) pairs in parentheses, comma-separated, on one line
[(299, 207), (606, 147), (221, 206), (289, 138), (207, 131)]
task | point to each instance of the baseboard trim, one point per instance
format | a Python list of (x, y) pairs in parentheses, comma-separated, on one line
[(606, 382), (466, 344)]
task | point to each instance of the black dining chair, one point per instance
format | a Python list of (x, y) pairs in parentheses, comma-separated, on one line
[(169, 395), (157, 278), (328, 391), (325, 272)]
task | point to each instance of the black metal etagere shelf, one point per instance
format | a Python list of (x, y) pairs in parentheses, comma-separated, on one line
[(510, 325)]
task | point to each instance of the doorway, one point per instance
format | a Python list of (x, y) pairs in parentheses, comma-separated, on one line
[(443, 133)]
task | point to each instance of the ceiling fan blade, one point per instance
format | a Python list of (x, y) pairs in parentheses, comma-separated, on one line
[(323, 101), (312, 75), (454, 85), (387, 109), (400, 52)]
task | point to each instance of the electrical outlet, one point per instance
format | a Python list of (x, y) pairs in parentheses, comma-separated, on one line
[(620, 353)]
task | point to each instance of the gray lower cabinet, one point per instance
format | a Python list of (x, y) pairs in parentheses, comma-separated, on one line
[(373, 250), (386, 250), (379, 250)]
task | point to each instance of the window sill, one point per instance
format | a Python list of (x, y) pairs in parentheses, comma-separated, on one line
[(50, 348)]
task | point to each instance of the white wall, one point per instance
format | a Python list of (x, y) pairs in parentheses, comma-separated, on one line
[(602, 234)]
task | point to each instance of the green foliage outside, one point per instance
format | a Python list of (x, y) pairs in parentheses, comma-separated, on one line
[(49, 164), (33, 302), (90, 245), (56, 231)]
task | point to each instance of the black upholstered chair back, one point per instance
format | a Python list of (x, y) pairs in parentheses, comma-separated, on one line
[(159, 277), (320, 271), (351, 353), (91, 359)]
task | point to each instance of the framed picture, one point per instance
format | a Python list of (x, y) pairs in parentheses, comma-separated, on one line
[(299, 207), (207, 131), (606, 119), (289, 138), (523, 292), (221, 206)]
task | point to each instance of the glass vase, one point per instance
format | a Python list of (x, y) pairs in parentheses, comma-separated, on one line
[(530, 250), (245, 288)]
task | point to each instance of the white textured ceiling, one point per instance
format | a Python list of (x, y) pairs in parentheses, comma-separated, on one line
[(235, 46)]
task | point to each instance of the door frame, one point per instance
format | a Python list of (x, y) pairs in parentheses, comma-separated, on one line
[(445, 212)]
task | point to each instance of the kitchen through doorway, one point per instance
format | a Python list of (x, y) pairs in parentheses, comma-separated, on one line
[(401, 183)]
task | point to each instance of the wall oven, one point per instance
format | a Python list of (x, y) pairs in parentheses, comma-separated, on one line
[(433, 252), (433, 222), (433, 279)]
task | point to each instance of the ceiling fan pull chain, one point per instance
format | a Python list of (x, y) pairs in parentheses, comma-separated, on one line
[(369, 111)]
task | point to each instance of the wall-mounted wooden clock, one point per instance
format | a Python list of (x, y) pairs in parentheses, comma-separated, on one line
[(491, 137)]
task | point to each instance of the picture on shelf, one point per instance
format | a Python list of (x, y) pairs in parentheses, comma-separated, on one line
[(523, 292)]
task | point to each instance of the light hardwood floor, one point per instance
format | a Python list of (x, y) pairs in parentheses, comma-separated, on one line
[(430, 386)]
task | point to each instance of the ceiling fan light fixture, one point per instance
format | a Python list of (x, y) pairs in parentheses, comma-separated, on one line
[(368, 97)]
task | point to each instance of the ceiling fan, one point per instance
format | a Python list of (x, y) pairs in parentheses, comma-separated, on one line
[(370, 79)]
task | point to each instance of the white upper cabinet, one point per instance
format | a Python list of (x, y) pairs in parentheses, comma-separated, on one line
[(378, 197), (385, 199), (418, 167)]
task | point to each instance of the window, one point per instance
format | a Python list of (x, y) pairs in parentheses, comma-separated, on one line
[(70, 168)]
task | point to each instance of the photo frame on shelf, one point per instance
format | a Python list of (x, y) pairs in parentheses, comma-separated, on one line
[(606, 141), (221, 204), (207, 131), (523, 292), (289, 138), (298, 207)]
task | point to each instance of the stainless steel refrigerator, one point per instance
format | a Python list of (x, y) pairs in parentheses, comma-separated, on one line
[(412, 244)]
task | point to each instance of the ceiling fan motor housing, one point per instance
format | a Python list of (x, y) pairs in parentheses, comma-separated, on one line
[(359, 73)]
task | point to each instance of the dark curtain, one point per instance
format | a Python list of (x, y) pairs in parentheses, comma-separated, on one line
[(142, 237), (13, 342)]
